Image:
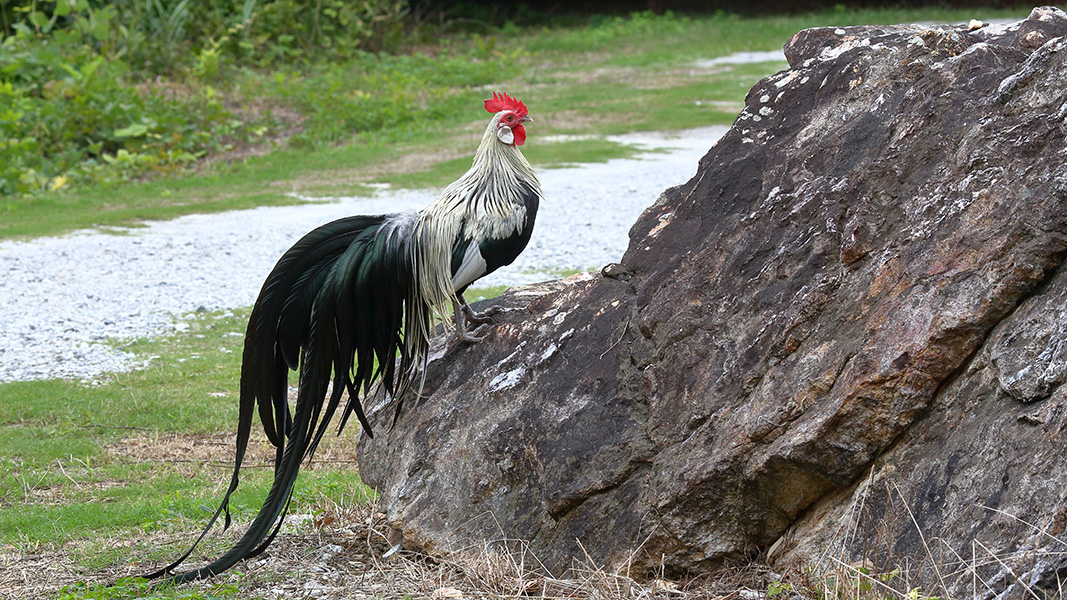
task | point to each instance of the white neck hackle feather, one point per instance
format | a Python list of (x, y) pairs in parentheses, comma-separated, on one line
[(486, 202)]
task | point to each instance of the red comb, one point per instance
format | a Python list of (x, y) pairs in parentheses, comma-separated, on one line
[(501, 102)]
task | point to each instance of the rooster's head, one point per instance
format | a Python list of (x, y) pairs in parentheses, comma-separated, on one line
[(510, 115)]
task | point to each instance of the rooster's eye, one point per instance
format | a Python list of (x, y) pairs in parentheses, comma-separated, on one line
[(511, 118)]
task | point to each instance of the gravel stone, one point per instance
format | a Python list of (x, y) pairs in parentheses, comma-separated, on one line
[(69, 301)]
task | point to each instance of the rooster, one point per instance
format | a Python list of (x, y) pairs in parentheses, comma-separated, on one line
[(354, 303)]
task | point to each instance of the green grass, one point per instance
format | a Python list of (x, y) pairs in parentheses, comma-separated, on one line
[(130, 588), (555, 154), (485, 293), (66, 476), (62, 437)]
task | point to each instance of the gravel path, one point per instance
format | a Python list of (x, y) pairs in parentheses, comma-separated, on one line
[(64, 297)]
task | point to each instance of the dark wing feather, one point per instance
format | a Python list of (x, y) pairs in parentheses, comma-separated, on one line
[(502, 252), (340, 298)]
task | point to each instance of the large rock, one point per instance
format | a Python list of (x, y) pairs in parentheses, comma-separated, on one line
[(843, 339)]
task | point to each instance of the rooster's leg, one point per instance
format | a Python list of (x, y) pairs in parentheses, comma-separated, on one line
[(459, 314), (477, 317)]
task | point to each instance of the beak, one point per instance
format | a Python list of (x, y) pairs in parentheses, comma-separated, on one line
[(525, 119)]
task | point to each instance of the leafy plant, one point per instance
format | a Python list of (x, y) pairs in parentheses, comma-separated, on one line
[(77, 107), (70, 114), (331, 29), (777, 588)]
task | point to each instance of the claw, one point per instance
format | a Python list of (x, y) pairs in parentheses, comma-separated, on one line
[(479, 317), (462, 314), (466, 336)]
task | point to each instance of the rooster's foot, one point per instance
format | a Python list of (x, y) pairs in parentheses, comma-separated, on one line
[(485, 316), (466, 336)]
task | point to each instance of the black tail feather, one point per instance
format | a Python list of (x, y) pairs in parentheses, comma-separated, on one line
[(341, 299)]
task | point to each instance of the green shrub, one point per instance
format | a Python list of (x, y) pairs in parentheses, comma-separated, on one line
[(71, 113), (94, 92), (289, 30)]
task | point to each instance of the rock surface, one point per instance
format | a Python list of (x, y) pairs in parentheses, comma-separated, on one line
[(845, 338)]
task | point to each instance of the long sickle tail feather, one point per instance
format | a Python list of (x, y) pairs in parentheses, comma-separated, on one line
[(341, 305)]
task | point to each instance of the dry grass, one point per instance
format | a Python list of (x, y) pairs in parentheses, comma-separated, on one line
[(940, 571), (350, 563), (341, 553), (214, 452)]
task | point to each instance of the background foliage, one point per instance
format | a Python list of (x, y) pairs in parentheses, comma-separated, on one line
[(102, 92), (96, 92)]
